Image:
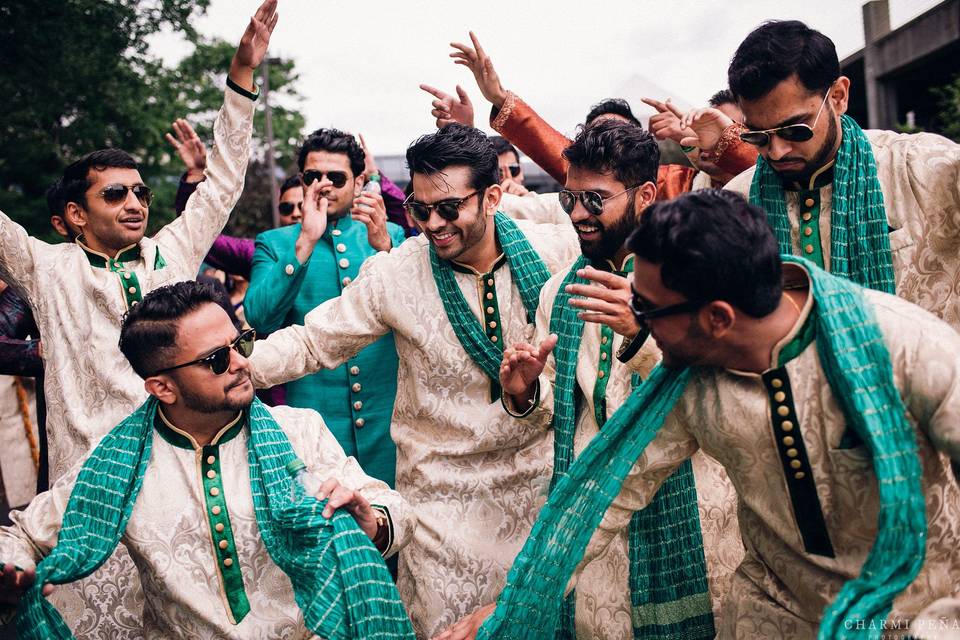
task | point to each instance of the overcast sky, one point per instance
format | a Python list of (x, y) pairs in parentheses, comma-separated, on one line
[(360, 62)]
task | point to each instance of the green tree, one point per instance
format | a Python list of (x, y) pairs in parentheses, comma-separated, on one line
[(948, 118), (78, 76)]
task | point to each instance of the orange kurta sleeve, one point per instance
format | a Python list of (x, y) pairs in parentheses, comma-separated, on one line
[(525, 129), (674, 179), (732, 155)]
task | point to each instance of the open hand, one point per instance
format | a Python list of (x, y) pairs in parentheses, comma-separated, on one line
[(479, 63), (448, 109), (521, 366), (665, 124), (606, 301), (707, 125), (253, 44), (190, 148)]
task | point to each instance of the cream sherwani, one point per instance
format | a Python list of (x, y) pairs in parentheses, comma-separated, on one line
[(770, 446), (542, 208), (475, 476), (920, 179), (603, 591), (171, 534), (78, 307)]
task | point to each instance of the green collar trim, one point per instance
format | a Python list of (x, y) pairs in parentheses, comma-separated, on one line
[(611, 267), (104, 261), (818, 179), (462, 268), (802, 340), (183, 440)]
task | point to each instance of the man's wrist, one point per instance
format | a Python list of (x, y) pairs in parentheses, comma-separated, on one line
[(193, 176), (304, 247), (242, 76), (499, 99)]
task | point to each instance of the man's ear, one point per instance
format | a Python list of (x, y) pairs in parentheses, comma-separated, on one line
[(75, 215), (358, 186), (162, 387), (719, 318), (491, 199), (840, 95), (646, 194)]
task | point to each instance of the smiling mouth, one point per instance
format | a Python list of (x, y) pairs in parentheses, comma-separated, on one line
[(444, 238), (586, 230)]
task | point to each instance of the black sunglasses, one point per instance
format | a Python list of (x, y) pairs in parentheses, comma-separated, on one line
[(792, 132), (514, 170), (447, 209), (219, 360), (642, 311), (592, 201), (286, 208), (117, 193), (338, 178)]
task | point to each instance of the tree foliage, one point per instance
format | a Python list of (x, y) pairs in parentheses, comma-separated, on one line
[(78, 76)]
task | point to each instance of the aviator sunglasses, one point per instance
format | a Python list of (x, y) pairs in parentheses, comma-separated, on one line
[(592, 201), (338, 178), (117, 193), (219, 359), (514, 170), (800, 132), (449, 210)]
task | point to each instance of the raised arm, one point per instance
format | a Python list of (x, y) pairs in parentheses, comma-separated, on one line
[(331, 334), (190, 236)]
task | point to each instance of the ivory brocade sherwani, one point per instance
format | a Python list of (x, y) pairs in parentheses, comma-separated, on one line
[(800, 478), (475, 476), (920, 179), (603, 593), (183, 516), (78, 298), (541, 208)]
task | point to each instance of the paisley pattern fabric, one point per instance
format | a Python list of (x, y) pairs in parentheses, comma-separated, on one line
[(603, 593), (169, 538), (475, 476), (920, 180), (89, 385), (780, 590)]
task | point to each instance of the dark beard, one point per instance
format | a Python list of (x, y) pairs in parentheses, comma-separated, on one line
[(199, 404), (614, 237), (822, 156)]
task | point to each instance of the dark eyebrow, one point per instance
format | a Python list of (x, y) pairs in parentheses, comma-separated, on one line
[(796, 119), (210, 352)]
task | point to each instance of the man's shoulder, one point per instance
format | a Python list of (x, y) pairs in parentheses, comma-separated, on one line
[(741, 182), (885, 142), (557, 244), (279, 236), (296, 421), (905, 324)]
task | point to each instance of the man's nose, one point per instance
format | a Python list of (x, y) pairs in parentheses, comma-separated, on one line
[(779, 148)]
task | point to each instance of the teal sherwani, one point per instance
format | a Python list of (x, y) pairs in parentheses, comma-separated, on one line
[(355, 399)]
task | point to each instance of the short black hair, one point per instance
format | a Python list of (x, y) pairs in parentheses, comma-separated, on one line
[(76, 180), (713, 245), (291, 182), (502, 145), (724, 96), (612, 106), (334, 141), (456, 145), (620, 148), (777, 50), (148, 335)]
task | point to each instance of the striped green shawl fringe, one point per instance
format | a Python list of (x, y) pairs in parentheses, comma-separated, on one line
[(663, 537), (340, 582), (859, 234), (860, 374), (529, 273)]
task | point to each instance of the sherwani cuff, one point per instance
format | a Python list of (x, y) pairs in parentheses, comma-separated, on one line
[(240, 90), (499, 117), (732, 155), (389, 549)]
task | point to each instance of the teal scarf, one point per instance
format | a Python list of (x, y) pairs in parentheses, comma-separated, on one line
[(528, 272), (663, 536), (339, 579), (859, 234), (858, 369)]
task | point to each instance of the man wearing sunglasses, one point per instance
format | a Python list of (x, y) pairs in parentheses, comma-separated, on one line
[(203, 517), (80, 291), (298, 268), (453, 297), (511, 173), (877, 207), (833, 408), (588, 354)]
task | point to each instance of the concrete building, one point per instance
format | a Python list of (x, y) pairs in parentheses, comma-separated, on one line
[(891, 77)]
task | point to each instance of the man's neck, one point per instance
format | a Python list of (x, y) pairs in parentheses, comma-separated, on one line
[(481, 256), (753, 352), (94, 244), (202, 427)]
